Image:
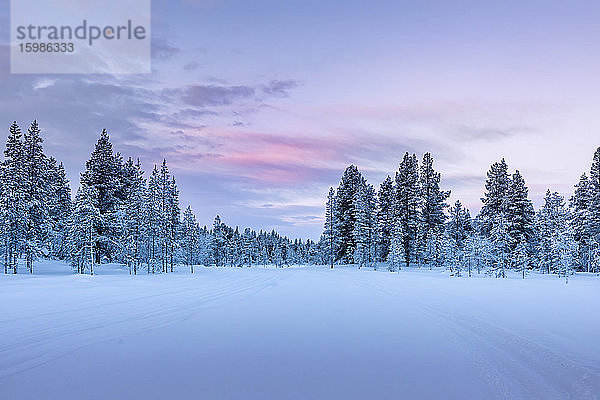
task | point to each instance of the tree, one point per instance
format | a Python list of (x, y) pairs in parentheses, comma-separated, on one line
[(581, 222), (458, 230), (13, 198), (59, 209), (345, 215), (133, 226), (406, 207), (385, 217), (82, 229), (102, 174), (494, 200), (330, 233), (519, 213), (364, 204), (218, 241), (189, 238), (36, 214), (433, 203)]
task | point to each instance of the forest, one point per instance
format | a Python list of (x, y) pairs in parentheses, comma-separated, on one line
[(120, 214)]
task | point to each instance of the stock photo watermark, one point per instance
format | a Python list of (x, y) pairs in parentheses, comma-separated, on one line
[(80, 36)]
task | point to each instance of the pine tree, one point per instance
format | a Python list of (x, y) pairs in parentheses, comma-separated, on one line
[(459, 228), (218, 242), (406, 207), (134, 226), (37, 222), (519, 213), (82, 229), (433, 203), (152, 220), (494, 200), (330, 234), (364, 204), (189, 238), (580, 221), (102, 174), (594, 205), (13, 198), (385, 217), (59, 209), (345, 213)]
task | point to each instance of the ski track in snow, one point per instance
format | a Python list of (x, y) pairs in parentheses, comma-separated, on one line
[(506, 357), (50, 336)]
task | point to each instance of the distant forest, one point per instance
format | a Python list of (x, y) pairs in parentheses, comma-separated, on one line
[(121, 214)]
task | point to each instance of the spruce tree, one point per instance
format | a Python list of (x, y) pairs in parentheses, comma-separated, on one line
[(102, 174), (345, 213), (433, 203), (189, 238), (494, 200), (330, 232), (406, 207), (364, 204), (14, 202), (385, 218), (519, 213), (36, 181), (581, 222)]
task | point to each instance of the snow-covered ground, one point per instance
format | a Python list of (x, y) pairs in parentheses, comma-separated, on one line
[(304, 332)]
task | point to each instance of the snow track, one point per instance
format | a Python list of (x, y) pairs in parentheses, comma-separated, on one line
[(298, 333)]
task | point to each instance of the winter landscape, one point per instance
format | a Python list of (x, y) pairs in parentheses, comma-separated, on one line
[(299, 200)]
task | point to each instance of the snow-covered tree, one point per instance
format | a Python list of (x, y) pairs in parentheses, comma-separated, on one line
[(433, 203), (364, 226), (189, 238), (82, 230), (494, 201), (519, 213), (385, 217), (406, 207), (14, 202), (102, 174), (330, 232)]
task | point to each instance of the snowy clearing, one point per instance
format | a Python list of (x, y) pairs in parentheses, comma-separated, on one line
[(303, 332)]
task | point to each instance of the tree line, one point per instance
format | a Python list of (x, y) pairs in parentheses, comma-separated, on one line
[(408, 221), (117, 215), (120, 214)]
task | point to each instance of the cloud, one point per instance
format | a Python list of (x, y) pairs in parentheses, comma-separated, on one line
[(280, 88), (43, 83), (162, 49), (191, 66), (211, 95)]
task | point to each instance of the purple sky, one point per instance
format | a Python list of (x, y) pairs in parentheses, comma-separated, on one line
[(259, 106)]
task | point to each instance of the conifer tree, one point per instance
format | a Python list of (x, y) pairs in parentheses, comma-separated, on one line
[(385, 217), (494, 200), (37, 222), (345, 212), (406, 207), (189, 238), (433, 203), (330, 234), (581, 222), (102, 174), (13, 198), (364, 205), (519, 213)]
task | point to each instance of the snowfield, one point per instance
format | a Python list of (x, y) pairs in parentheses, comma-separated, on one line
[(297, 333)]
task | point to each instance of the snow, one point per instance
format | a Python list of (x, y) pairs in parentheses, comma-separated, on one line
[(300, 332)]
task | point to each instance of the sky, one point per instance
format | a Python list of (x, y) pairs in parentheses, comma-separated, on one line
[(258, 106)]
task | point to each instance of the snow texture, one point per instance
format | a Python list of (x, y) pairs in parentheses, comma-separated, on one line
[(297, 333)]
